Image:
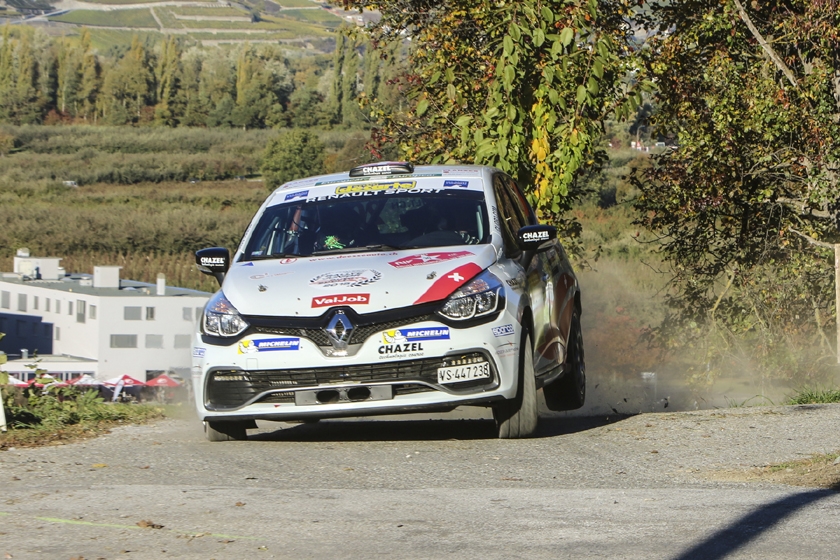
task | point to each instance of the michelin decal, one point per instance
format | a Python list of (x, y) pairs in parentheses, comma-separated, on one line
[(268, 345)]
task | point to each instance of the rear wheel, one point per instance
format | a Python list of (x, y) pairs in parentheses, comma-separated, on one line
[(225, 431), (569, 392), (518, 417)]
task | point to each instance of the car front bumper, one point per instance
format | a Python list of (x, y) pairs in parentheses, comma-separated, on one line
[(274, 377)]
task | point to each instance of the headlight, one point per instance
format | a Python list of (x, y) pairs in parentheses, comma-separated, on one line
[(481, 296), (221, 318)]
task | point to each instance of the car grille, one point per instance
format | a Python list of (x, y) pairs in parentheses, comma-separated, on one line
[(233, 388), (360, 334)]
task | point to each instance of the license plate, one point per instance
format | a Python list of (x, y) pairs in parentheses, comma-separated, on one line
[(458, 374)]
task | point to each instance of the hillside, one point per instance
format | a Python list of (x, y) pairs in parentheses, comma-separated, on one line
[(308, 24)]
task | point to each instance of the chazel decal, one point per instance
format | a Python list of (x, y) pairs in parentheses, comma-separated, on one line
[(504, 330), (535, 236), (428, 258), (268, 345), (401, 336), (212, 261), (341, 299), (401, 351), (346, 278), (376, 187)]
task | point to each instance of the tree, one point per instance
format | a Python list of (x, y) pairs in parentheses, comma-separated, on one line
[(522, 85), (744, 206), (292, 155)]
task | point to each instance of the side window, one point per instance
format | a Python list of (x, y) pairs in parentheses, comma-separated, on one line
[(507, 215), (525, 210)]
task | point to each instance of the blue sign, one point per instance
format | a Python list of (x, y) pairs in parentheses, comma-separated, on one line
[(504, 330), (298, 194), (453, 183)]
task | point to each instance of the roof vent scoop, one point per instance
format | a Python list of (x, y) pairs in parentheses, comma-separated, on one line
[(382, 168)]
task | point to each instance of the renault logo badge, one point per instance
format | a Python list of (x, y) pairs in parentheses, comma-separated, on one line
[(338, 331)]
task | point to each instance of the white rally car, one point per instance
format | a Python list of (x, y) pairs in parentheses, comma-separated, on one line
[(390, 289)]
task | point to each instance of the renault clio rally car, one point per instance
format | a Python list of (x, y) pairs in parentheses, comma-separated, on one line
[(390, 289)]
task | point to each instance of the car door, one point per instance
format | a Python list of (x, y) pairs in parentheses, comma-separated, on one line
[(514, 214)]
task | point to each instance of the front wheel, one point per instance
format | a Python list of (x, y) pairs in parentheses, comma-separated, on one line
[(569, 392), (225, 431), (519, 416)]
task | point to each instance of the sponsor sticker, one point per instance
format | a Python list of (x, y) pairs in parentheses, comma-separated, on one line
[(346, 278), (507, 349), (428, 258), (268, 345), (267, 275), (402, 336), (298, 194), (249, 263), (454, 183), (198, 352), (341, 299), (376, 187), (401, 351), (448, 283), (535, 236), (212, 261), (504, 330)]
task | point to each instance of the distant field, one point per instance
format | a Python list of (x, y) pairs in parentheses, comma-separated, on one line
[(295, 3), (206, 11), (29, 5), (322, 17), (104, 39), (123, 2), (140, 17)]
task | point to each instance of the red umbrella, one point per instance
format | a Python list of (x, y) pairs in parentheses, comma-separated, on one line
[(127, 381), (162, 380)]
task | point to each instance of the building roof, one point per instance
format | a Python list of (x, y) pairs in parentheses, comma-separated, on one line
[(83, 284)]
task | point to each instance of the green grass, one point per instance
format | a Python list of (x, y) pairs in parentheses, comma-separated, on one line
[(322, 17), (140, 17), (815, 396)]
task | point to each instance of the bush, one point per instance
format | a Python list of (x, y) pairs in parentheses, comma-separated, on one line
[(292, 155)]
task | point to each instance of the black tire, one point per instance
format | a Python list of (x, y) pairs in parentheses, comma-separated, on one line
[(518, 417), (569, 392), (225, 431)]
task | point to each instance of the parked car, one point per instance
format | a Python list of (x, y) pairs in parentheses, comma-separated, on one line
[(390, 289)]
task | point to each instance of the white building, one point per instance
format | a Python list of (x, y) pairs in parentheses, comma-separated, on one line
[(96, 324)]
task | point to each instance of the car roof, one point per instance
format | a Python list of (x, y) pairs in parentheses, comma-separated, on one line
[(465, 171)]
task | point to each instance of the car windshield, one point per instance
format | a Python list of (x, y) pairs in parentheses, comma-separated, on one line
[(374, 223)]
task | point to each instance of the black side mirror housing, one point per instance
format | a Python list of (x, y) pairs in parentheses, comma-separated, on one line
[(214, 261), (536, 238)]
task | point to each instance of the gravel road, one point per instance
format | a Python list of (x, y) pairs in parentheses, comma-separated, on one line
[(639, 487)]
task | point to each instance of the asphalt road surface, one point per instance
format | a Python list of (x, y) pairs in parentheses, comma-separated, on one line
[(640, 487)]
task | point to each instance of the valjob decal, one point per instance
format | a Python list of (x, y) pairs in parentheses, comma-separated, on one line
[(346, 278), (268, 345), (453, 183), (428, 258), (298, 194), (376, 187), (402, 336), (341, 299), (504, 330)]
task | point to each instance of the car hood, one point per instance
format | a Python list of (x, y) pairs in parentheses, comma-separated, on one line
[(367, 282)]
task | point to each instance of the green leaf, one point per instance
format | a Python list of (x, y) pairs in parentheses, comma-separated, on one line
[(598, 69), (552, 96), (566, 36), (515, 32), (450, 75), (507, 45), (510, 74), (539, 37), (463, 121), (511, 112), (581, 95), (547, 14), (421, 107), (435, 77), (592, 86)]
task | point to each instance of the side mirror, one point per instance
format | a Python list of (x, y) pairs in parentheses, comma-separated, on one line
[(214, 261), (534, 238)]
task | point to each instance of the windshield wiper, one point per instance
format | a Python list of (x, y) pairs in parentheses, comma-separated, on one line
[(371, 248)]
